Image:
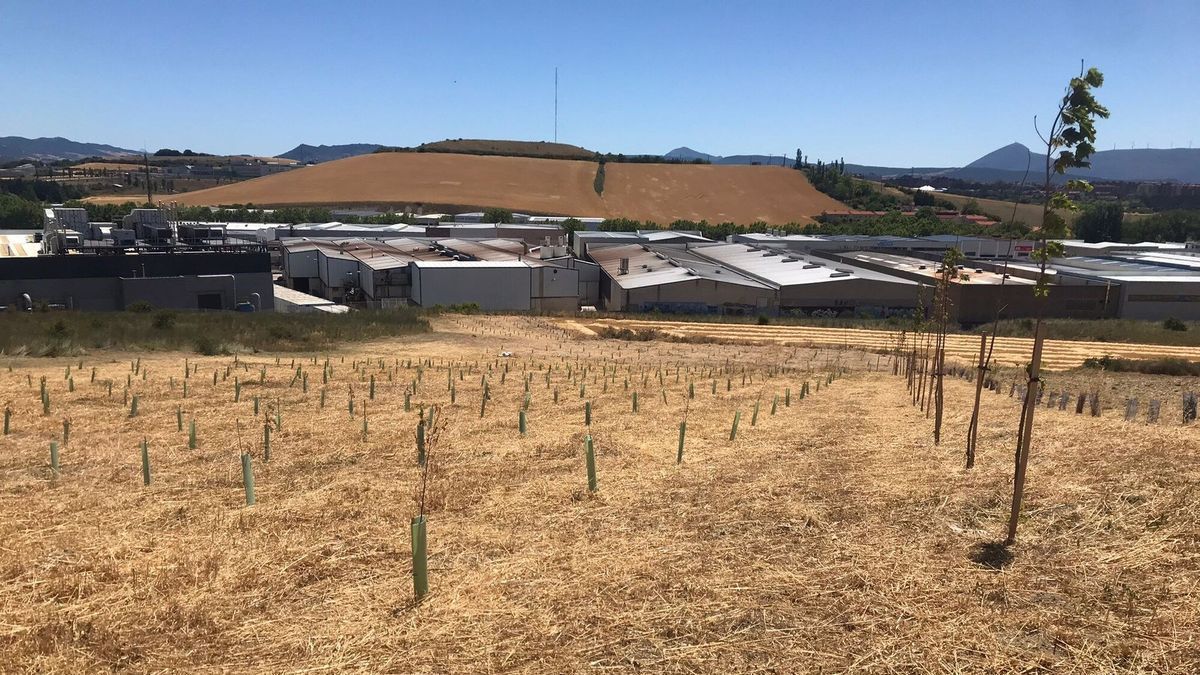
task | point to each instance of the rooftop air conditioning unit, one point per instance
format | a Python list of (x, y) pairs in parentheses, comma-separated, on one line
[(811, 266), (839, 274)]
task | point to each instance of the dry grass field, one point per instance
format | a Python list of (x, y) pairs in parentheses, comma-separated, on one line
[(738, 194), (406, 178), (1009, 351), (830, 536), (658, 192), (1030, 214)]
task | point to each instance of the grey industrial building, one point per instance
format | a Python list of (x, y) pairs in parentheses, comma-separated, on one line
[(984, 287), (1139, 289), (175, 280), (740, 279), (637, 278), (527, 266), (766, 273), (496, 274)]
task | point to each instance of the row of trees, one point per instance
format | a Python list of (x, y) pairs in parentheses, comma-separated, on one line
[(922, 223), (858, 194), (1106, 221), (40, 191)]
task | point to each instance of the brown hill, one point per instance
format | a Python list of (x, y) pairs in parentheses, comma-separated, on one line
[(402, 178), (716, 193), (658, 192)]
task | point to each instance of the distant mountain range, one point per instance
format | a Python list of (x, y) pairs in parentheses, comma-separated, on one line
[(1006, 164), (14, 148), (328, 153), (1010, 163), (686, 154)]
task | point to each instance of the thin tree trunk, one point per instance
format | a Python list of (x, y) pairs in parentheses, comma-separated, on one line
[(1026, 434), (981, 373), (939, 374)]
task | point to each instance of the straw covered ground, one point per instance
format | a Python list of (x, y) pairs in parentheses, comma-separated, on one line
[(831, 535), (1009, 351)]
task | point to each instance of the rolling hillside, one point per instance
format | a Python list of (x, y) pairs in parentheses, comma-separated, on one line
[(658, 192), (739, 194), (326, 153), (54, 149)]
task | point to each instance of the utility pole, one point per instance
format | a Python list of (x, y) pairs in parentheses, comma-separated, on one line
[(149, 195), (555, 104)]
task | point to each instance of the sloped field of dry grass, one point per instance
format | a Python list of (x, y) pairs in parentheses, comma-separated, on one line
[(739, 194), (657, 192), (402, 178), (830, 536), (1009, 351)]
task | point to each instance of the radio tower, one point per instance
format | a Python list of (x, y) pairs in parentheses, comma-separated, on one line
[(555, 104)]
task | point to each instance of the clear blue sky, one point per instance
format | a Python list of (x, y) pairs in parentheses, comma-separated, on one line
[(891, 83)]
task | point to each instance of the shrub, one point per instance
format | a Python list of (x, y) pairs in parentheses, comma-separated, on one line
[(140, 307), (763, 320), (1165, 366), (164, 320), (208, 346), (1174, 324)]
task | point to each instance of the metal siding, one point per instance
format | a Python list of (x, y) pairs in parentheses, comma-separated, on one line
[(492, 288)]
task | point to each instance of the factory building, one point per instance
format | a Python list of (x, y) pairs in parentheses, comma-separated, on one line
[(1140, 289), (171, 280), (971, 247), (806, 283), (75, 264), (583, 240), (495, 285), (740, 279), (385, 273), (982, 287), (638, 279)]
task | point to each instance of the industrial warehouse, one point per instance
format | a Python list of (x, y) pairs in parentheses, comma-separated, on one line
[(533, 265)]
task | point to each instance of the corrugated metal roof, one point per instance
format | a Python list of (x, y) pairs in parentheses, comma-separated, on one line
[(477, 264), (654, 268), (779, 268), (929, 268)]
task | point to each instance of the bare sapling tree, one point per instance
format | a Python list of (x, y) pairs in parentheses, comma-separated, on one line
[(1070, 140), (986, 349), (436, 426), (942, 306)]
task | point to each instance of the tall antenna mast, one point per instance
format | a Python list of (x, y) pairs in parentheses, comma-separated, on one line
[(555, 104), (146, 160)]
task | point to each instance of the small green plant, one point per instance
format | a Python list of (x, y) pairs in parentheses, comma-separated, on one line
[(1171, 323)]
